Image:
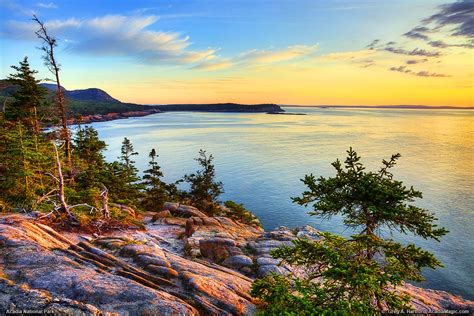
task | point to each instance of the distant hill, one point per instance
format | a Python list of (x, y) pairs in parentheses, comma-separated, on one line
[(91, 94), (94, 101), (84, 102), (221, 107)]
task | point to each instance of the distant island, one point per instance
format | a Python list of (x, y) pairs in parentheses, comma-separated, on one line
[(222, 107), (419, 107)]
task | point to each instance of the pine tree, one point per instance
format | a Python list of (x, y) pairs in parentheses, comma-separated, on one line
[(89, 159), (121, 177), (89, 149), (127, 153), (358, 275), (204, 189), (156, 191), (24, 161), (28, 98)]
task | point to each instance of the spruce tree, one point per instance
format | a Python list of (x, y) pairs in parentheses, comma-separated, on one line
[(360, 274), (156, 190), (27, 99), (127, 153), (90, 162), (204, 189), (121, 177)]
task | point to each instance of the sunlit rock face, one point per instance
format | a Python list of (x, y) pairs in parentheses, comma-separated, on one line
[(186, 265)]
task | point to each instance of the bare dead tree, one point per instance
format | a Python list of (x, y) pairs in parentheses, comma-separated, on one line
[(60, 180), (62, 206), (105, 202), (48, 46), (4, 105)]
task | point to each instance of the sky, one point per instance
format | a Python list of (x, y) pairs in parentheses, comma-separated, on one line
[(294, 52)]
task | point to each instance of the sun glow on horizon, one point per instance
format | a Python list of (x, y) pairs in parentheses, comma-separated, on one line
[(306, 53)]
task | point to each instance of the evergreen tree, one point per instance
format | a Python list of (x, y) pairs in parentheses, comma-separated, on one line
[(358, 275), (204, 189), (24, 161), (89, 148), (27, 99), (127, 153), (89, 159), (238, 212), (121, 177), (156, 191)]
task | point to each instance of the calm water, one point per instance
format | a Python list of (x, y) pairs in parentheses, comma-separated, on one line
[(260, 158)]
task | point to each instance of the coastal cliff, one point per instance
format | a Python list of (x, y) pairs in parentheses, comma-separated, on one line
[(181, 262)]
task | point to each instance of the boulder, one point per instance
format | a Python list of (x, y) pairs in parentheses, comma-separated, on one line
[(308, 232), (218, 249), (163, 271), (170, 206), (211, 226), (281, 233), (183, 210), (150, 259), (237, 262), (263, 261), (266, 269), (178, 221), (162, 214)]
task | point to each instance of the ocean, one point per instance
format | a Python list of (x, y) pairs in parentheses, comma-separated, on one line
[(261, 158)]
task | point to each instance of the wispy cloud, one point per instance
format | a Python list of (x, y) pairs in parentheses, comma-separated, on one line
[(13, 6), (455, 18), (459, 16), (418, 33), (422, 73), (373, 44), (277, 55), (118, 35), (49, 5), (348, 56), (425, 73), (400, 69), (413, 52), (260, 57), (416, 61), (214, 65), (442, 44)]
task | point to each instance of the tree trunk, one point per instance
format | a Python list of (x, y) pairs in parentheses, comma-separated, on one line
[(62, 199), (36, 126), (49, 43), (23, 160), (105, 202), (65, 135)]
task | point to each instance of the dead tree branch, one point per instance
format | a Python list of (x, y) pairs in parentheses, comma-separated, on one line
[(105, 202), (48, 46)]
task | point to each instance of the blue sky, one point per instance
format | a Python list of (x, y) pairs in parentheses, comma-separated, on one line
[(203, 45)]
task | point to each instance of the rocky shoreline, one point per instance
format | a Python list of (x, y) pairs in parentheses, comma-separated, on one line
[(86, 119), (182, 263)]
